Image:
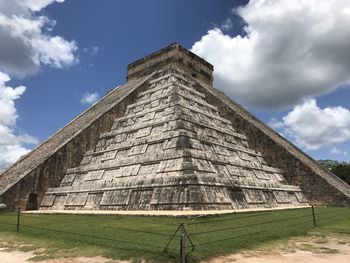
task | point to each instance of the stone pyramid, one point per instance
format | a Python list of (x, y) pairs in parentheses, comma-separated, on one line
[(172, 150), (167, 140)]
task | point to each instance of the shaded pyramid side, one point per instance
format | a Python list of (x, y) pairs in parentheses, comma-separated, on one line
[(45, 166), (172, 150), (319, 186)]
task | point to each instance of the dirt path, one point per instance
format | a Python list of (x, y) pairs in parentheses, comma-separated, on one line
[(287, 258), (314, 249), (278, 257), (24, 257)]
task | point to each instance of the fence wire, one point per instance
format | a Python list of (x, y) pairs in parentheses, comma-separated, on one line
[(91, 236), (155, 241), (250, 225)]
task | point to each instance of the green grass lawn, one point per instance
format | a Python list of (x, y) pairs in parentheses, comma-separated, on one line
[(131, 237)]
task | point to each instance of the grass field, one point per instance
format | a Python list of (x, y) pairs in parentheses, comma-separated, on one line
[(126, 237)]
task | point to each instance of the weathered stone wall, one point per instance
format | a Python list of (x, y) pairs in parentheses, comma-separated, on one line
[(315, 188)]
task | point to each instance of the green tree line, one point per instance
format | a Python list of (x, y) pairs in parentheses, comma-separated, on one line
[(340, 169)]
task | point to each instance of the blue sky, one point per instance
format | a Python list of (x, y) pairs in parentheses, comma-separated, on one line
[(123, 33), (291, 73)]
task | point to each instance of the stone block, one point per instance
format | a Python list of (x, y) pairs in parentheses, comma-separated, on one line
[(301, 198), (76, 199), (138, 149), (68, 179), (130, 170), (144, 132), (119, 197), (262, 175), (48, 200), (86, 160), (282, 197), (93, 201), (108, 156), (148, 169), (254, 196), (170, 165), (94, 175), (234, 170)]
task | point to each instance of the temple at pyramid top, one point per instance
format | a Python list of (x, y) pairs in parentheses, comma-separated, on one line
[(168, 140), (172, 55)]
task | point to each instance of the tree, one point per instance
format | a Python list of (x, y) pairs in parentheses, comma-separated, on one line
[(340, 169)]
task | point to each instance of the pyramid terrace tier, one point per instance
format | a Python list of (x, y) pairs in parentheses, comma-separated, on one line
[(167, 141), (172, 172), (156, 153), (169, 104), (165, 105), (171, 191), (173, 122), (173, 197)]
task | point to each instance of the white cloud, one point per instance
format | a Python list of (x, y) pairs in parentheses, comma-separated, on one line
[(92, 51), (227, 25), (8, 113), (12, 146), (335, 150), (89, 98), (276, 124), (292, 50), (37, 5), (25, 43), (313, 127)]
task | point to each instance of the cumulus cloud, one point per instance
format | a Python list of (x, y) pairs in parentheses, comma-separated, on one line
[(25, 40), (12, 146), (25, 45), (89, 98), (312, 127), (291, 50), (37, 5)]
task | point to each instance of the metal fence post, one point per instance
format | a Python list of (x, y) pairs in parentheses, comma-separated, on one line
[(18, 217), (182, 243), (313, 215)]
